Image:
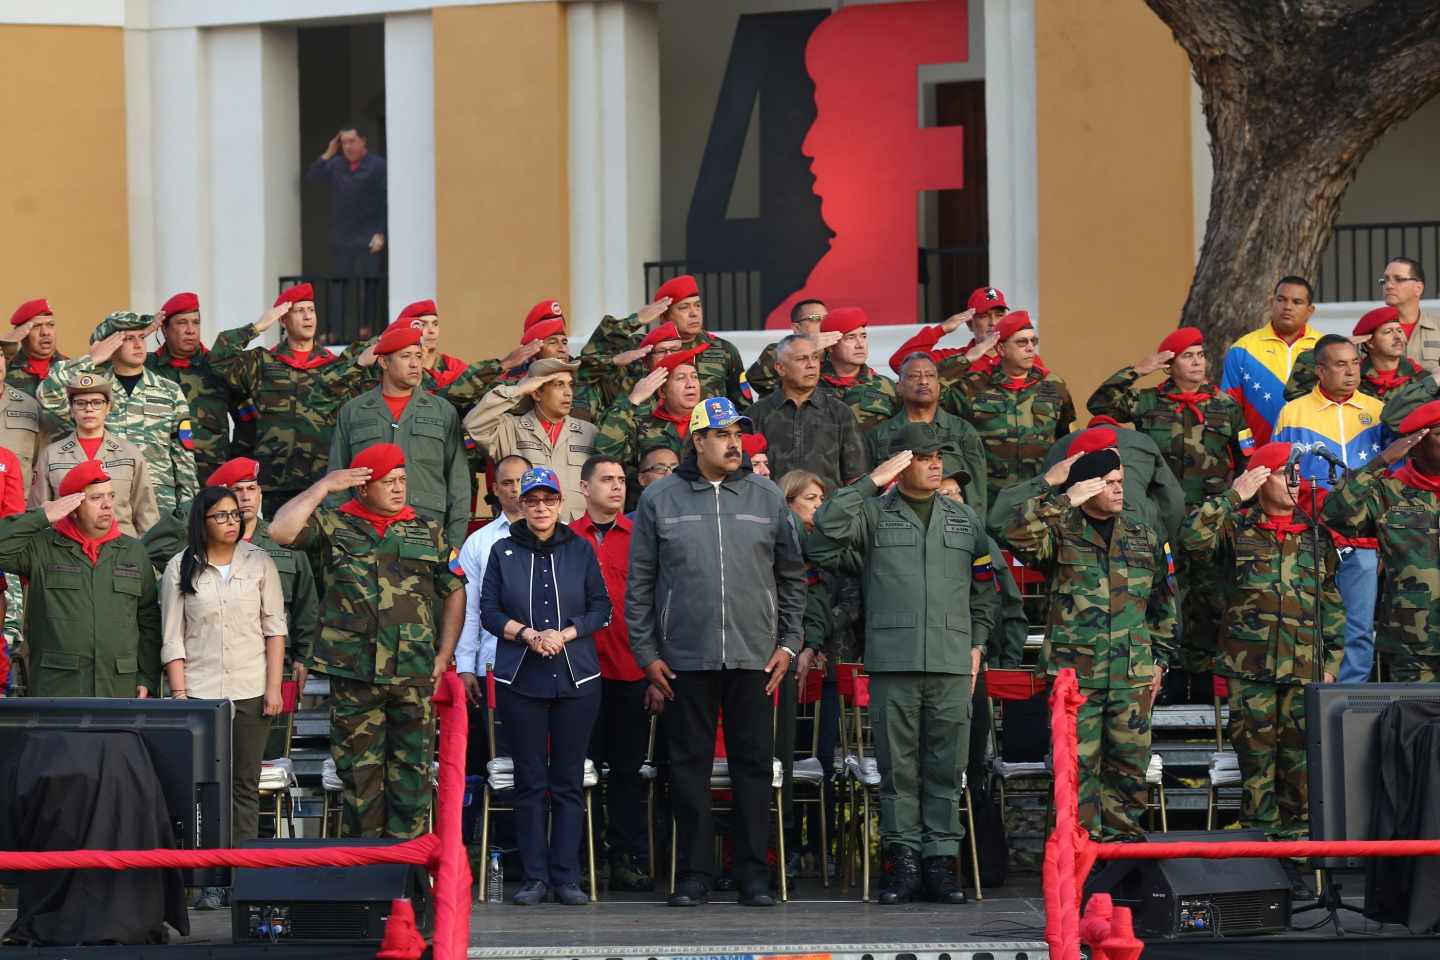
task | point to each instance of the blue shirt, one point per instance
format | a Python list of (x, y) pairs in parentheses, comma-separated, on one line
[(357, 197)]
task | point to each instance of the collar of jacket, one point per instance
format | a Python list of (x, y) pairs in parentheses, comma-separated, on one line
[(585, 524), (520, 533), (1033, 375), (375, 398), (689, 469), (894, 502)]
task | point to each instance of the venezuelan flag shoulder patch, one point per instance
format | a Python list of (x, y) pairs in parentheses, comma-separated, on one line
[(982, 569), (1247, 441), (454, 564), (186, 435), (812, 575), (1169, 560), (746, 391), (246, 412)]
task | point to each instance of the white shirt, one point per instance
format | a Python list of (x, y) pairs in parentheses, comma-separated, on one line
[(477, 645)]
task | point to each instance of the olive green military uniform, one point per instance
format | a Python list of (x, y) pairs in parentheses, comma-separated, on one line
[(297, 581), (135, 508), (297, 406), (929, 600), (154, 417), (1267, 648), (1111, 619), (1202, 446), (957, 433), (437, 477), (869, 395), (1406, 522), (213, 405), (1017, 427), (377, 644), (93, 631)]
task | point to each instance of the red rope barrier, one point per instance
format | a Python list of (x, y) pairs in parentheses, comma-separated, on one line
[(452, 864), (419, 852), (1274, 849)]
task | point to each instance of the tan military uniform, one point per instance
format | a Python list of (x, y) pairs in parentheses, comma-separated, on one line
[(20, 427), (135, 507), (1424, 344), (501, 431)]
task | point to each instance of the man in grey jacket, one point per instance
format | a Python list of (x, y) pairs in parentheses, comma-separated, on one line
[(714, 606)]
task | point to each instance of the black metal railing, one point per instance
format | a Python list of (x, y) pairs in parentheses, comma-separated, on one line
[(1357, 254), (347, 308), (946, 275)]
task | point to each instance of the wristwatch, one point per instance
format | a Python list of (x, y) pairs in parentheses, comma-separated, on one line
[(792, 653)]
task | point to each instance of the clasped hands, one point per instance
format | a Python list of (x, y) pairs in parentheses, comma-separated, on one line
[(547, 643)]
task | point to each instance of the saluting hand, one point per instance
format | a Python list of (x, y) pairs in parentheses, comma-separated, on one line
[(338, 480), (1249, 483), (956, 321), (626, 357), (103, 350), (883, 475), (1084, 490), (1400, 449), (826, 339), (521, 355), (1156, 361), (61, 507), (651, 312), (648, 384), (983, 347), (531, 384), (1059, 473), (17, 333)]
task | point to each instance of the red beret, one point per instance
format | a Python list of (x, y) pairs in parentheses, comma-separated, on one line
[(397, 336), (666, 331), (985, 299), (1103, 420), (29, 310), (1096, 438), (234, 471), (684, 356), (544, 310), (82, 475), (381, 459), (678, 288), (543, 329), (1181, 340), (301, 291), (1426, 415), (753, 443), (1273, 455), (1013, 323), (420, 308), (185, 302), (1374, 320), (843, 320)]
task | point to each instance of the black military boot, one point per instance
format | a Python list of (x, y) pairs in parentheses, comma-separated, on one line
[(902, 875), (940, 885)]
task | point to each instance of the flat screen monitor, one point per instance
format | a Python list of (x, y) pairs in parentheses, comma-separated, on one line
[(189, 744), (1344, 757)]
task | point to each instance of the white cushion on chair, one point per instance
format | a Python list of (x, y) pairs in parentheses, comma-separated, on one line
[(1009, 771), (720, 774), (329, 778), (809, 770), (1224, 769), (866, 771), (648, 771), (277, 774), (501, 773), (1155, 770)]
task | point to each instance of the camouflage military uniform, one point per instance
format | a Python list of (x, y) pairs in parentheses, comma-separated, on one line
[(154, 417), (871, 396), (627, 433), (1406, 522), (213, 403), (1111, 619), (957, 433), (1303, 378), (1267, 649), (1016, 426), (18, 373), (377, 644), (297, 405), (761, 374)]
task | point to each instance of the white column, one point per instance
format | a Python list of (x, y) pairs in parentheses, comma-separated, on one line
[(1011, 157), (140, 185), (253, 135), (410, 162), (614, 164), (1202, 169)]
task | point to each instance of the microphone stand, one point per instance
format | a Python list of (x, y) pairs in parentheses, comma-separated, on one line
[(1328, 894)]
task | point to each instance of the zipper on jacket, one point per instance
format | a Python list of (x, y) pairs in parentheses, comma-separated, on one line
[(720, 537), (564, 647), (665, 615)]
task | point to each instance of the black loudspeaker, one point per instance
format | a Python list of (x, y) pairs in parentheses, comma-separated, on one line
[(323, 904), (1195, 898)]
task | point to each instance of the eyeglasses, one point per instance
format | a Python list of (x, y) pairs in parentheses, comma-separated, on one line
[(660, 468), (89, 404), (224, 516), (540, 501), (1393, 279)]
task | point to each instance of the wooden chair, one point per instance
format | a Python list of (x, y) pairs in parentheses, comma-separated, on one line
[(277, 775)]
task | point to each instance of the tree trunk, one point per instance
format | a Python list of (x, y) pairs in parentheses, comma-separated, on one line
[(1296, 93)]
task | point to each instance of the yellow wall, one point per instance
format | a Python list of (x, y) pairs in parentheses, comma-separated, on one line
[(62, 195), (1116, 244), (502, 207)]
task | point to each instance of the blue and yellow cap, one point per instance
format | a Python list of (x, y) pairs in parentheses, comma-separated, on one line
[(537, 478), (712, 413)]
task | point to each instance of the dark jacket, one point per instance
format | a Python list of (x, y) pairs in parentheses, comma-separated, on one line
[(357, 197), (716, 574), (819, 435), (580, 599)]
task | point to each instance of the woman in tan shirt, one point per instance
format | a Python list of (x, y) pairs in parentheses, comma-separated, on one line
[(223, 636)]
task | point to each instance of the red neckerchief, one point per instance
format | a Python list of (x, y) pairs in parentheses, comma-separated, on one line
[(1385, 381), (1282, 525), (379, 521), (552, 430), (1191, 401), (67, 527), (682, 422), (1411, 476), (317, 357), (841, 382), (180, 363), (37, 367), (447, 370), (354, 164), (1014, 383)]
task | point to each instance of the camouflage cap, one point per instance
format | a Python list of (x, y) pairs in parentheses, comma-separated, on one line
[(118, 322), (88, 383)]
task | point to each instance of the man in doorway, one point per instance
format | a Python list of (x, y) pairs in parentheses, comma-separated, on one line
[(356, 178), (1258, 365)]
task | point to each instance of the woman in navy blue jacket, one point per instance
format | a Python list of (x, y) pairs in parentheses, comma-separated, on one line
[(544, 597)]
